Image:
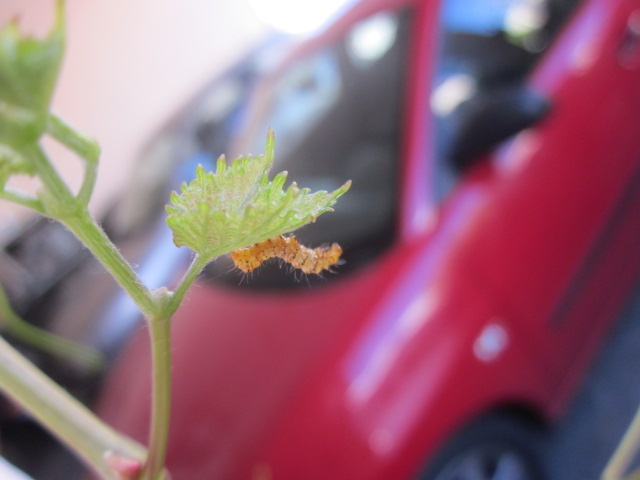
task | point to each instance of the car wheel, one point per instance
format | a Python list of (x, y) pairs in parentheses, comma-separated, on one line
[(497, 447)]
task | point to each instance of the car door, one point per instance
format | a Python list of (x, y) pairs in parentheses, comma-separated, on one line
[(558, 239)]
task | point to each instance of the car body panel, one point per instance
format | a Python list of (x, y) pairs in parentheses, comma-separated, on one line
[(586, 200)]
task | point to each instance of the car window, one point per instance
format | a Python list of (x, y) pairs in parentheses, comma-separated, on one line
[(336, 110), (337, 115), (486, 49)]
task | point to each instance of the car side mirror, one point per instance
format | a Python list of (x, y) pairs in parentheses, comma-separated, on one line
[(491, 117)]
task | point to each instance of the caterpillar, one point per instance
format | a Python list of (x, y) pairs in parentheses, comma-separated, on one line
[(308, 260)]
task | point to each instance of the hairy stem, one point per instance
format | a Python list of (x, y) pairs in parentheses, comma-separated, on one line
[(197, 264), (94, 238), (160, 331)]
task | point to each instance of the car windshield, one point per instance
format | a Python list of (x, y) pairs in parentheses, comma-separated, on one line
[(336, 113)]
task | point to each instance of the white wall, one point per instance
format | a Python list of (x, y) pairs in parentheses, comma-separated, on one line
[(129, 64)]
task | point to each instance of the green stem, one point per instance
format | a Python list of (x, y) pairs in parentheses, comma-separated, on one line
[(50, 178), (22, 199), (85, 147), (62, 414), (624, 454), (46, 341), (94, 238), (197, 264), (74, 214), (160, 331)]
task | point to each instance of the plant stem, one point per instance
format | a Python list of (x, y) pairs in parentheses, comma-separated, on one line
[(157, 308), (44, 340), (50, 178), (94, 238), (85, 147), (74, 214), (62, 414), (22, 199), (625, 452), (160, 331), (197, 264)]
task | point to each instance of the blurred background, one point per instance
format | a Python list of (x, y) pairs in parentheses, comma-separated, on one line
[(131, 64)]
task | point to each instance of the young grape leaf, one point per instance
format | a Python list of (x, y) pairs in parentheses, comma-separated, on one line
[(28, 72), (238, 206)]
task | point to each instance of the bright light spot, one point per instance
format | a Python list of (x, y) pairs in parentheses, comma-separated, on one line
[(295, 16), (451, 93), (491, 342), (371, 39), (525, 17)]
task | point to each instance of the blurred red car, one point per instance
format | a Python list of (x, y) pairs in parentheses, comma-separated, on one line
[(491, 237)]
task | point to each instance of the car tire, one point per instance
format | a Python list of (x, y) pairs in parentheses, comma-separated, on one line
[(496, 447)]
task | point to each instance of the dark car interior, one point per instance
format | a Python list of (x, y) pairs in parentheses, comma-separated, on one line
[(495, 58)]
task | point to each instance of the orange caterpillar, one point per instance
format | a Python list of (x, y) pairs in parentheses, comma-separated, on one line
[(309, 260)]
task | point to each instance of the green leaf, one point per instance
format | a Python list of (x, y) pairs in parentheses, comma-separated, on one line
[(238, 206), (28, 72)]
